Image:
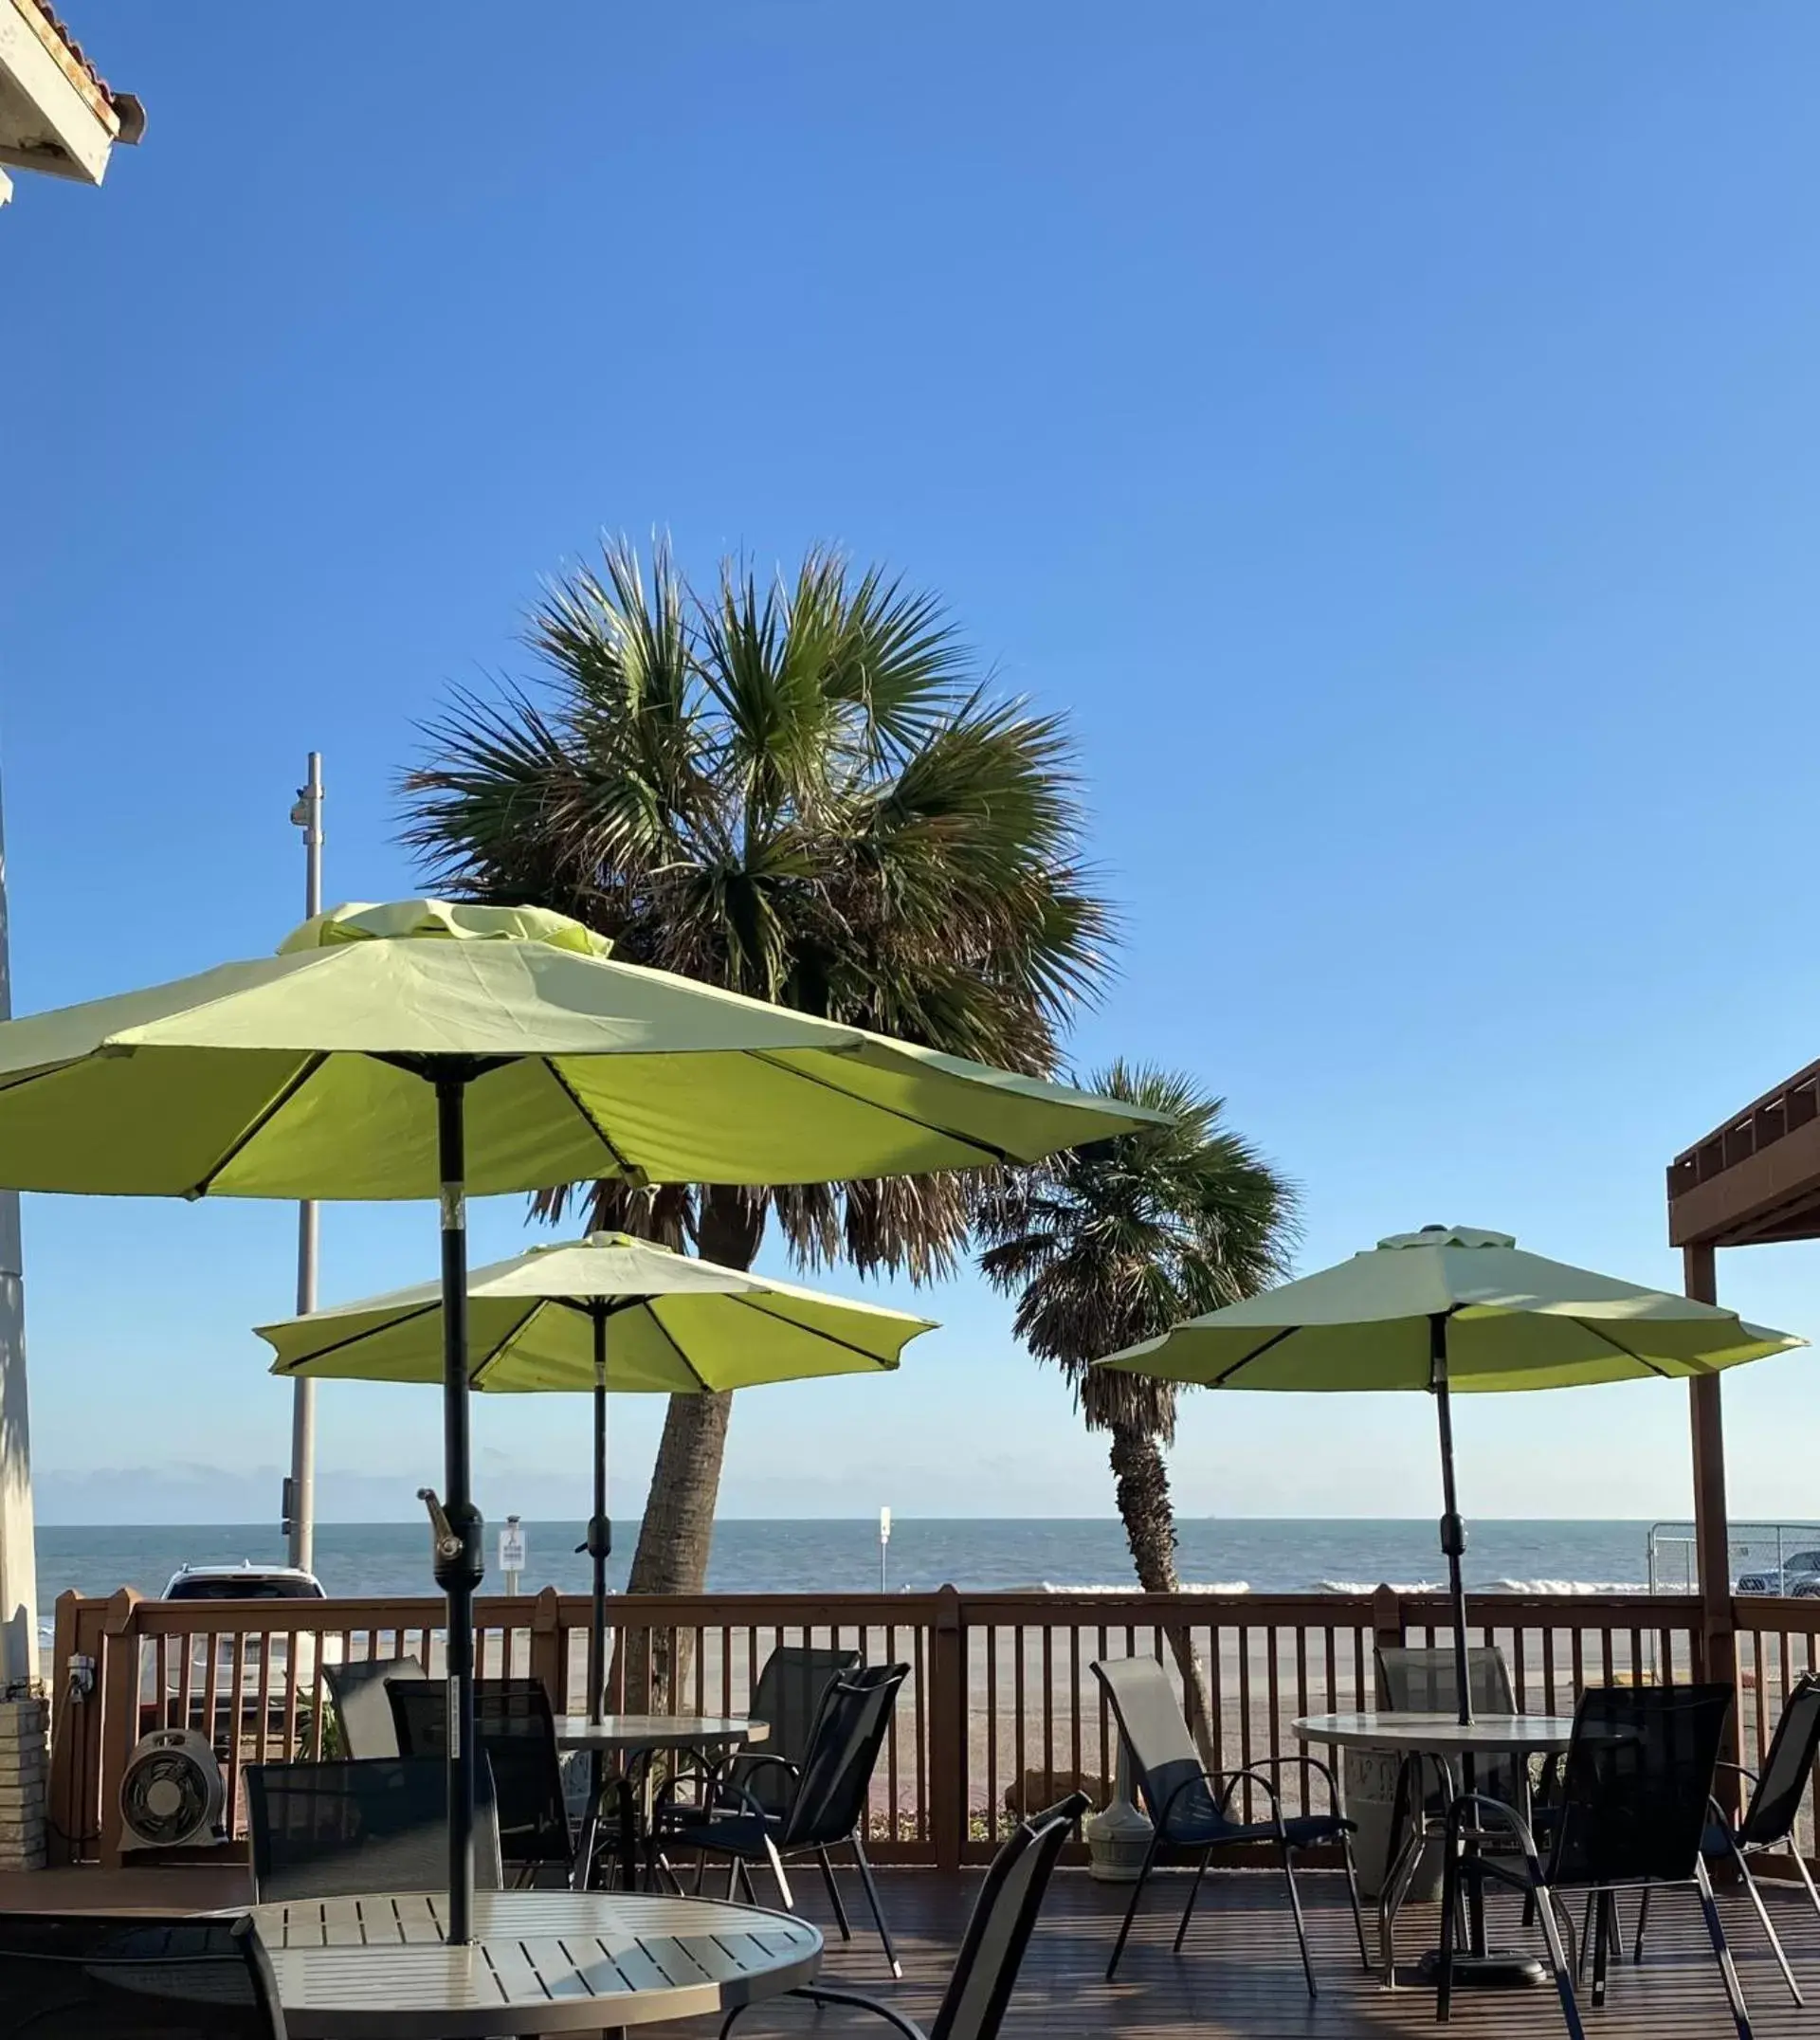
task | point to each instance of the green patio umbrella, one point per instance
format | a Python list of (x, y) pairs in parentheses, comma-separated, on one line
[(1445, 1308), (609, 1313), (423, 1050)]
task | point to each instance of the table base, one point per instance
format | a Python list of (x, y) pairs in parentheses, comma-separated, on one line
[(1499, 1969)]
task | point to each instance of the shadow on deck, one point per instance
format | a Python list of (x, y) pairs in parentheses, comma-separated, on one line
[(1237, 1977)]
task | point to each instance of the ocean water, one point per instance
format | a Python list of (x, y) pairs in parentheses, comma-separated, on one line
[(841, 1556)]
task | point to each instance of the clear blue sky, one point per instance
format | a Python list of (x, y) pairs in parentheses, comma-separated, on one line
[(1388, 431)]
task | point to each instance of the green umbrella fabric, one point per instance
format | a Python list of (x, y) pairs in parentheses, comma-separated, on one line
[(677, 1325), (299, 1075), (1514, 1322)]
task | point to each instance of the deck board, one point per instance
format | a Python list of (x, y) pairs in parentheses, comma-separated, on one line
[(1237, 1977)]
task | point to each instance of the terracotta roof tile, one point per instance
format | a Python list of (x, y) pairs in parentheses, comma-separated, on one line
[(124, 107)]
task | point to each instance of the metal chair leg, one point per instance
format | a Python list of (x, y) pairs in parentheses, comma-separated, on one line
[(777, 1873), (1806, 1875), (1601, 1945), (1562, 1961), (872, 1900), (1131, 1910), (1352, 1892), (1193, 1892), (834, 1895), (1295, 1908), (1727, 1969), (1449, 1926), (1642, 1922), (1769, 1925)]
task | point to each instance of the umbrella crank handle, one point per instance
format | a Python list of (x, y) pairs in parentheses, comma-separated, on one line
[(455, 1550), (598, 1543), (1453, 1536)]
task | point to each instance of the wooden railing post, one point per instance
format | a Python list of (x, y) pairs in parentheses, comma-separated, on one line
[(1387, 1631), (549, 1648), (119, 1695), (948, 1652)]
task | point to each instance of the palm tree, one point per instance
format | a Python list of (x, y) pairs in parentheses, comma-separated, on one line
[(803, 792), (1114, 1243)]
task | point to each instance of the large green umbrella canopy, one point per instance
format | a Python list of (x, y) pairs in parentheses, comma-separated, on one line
[(1450, 1307), (423, 1050), (299, 1075), (609, 1313)]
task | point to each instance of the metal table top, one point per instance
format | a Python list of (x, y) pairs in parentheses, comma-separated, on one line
[(543, 1961), (656, 1732), (1516, 1734)]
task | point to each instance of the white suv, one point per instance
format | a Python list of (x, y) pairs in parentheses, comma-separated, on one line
[(284, 1665)]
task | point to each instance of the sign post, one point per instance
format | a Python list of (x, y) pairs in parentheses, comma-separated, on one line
[(884, 1543), (512, 1553)]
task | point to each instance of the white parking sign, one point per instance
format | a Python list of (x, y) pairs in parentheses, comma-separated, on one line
[(512, 1547)]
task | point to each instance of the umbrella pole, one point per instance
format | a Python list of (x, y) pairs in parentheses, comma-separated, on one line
[(1453, 1532), (600, 1531), (460, 1565)]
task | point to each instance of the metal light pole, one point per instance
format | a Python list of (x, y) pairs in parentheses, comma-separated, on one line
[(299, 1490)]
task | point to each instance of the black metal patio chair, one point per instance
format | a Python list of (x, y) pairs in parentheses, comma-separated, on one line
[(991, 1949), (516, 1729), (1187, 1804), (825, 1807), (1636, 1787), (330, 1829), (114, 1977), (362, 1708), (1768, 1820)]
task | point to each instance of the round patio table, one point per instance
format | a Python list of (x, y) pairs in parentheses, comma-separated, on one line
[(376, 1967), (1413, 1736), (632, 1735)]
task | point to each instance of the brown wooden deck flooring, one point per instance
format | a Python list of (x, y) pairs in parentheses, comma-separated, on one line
[(1237, 1977)]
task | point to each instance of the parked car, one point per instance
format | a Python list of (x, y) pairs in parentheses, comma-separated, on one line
[(1798, 1576), (286, 1660)]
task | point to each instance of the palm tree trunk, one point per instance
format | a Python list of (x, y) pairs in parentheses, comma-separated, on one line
[(676, 1533), (1142, 1484)]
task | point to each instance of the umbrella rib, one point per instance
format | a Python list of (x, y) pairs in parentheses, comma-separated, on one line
[(872, 1105), (1661, 1373), (515, 1330), (833, 1339), (670, 1341), (260, 1121), (628, 1169), (353, 1339), (1257, 1352)]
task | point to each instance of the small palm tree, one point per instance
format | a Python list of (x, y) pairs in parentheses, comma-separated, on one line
[(1114, 1243), (802, 793)]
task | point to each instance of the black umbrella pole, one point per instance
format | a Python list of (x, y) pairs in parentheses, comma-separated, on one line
[(460, 1565), (600, 1531), (1453, 1532)]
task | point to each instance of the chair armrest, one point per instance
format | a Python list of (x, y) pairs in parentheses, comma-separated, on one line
[(819, 1994), (1743, 1771), (1304, 1763), (1505, 1817), (1214, 1780)]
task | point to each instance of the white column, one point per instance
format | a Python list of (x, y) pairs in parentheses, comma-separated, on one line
[(18, 1554)]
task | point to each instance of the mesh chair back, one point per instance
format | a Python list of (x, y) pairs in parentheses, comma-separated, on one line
[(92, 1977), (330, 1829), (1162, 1753), (1425, 1681), (1782, 1784), (513, 1720), (787, 1699), (1000, 1924), (1414, 1681), (1634, 1787), (359, 1691), (829, 1801)]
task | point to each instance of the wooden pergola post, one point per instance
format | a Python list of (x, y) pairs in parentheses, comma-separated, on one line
[(1711, 1530)]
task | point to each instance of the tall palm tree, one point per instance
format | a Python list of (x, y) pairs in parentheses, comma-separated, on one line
[(1114, 1243), (801, 791)]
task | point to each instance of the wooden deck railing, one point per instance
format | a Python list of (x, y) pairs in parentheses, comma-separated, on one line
[(999, 1713)]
